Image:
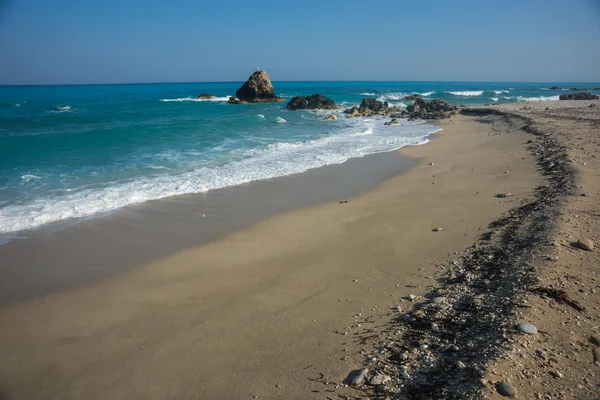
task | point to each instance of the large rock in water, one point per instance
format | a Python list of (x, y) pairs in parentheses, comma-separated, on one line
[(434, 109), (373, 105), (205, 96), (311, 102), (258, 89), (579, 96)]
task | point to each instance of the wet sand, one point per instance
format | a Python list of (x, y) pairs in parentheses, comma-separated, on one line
[(262, 311)]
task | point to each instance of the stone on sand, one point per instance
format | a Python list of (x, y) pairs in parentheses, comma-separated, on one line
[(356, 376), (585, 244), (378, 379), (506, 389), (527, 328)]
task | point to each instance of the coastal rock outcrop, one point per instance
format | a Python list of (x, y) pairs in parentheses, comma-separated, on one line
[(315, 101), (412, 97), (555, 88), (233, 100), (371, 107), (574, 88), (257, 89), (434, 109), (331, 117), (579, 96), (205, 96)]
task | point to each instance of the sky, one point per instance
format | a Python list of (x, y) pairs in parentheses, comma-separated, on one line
[(135, 41)]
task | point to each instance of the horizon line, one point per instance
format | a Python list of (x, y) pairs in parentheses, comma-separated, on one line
[(274, 81)]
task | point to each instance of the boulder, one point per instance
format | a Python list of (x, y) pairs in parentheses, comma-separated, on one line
[(330, 117), (205, 96), (434, 109), (579, 96), (554, 88), (258, 89), (373, 105), (394, 121), (311, 102), (233, 100)]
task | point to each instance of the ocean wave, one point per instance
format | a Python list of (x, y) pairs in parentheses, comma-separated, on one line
[(540, 98), (260, 116), (500, 91), (280, 120), (426, 94), (392, 96), (359, 138), (61, 109), (226, 98), (494, 98), (467, 93), (368, 94), (29, 177)]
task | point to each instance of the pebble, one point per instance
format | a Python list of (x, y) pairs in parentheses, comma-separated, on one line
[(596, 353), (356, 377), (541, 354), (557, 374), (431, 163), (503, 195), (460, 364), (586, 244), (553, 258), (506, 389), (439, 300), (378, 379), (411, 297), (436, 229), (527, 328)]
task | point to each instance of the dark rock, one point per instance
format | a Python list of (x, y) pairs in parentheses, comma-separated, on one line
[(434, 109), (373, 105), (593, 105), (233, 100), (311, 102), (574, 88), (205, 96), (554, 88), (412, 97), (598, 88), (579, 96), (394, 121), (258, 88)]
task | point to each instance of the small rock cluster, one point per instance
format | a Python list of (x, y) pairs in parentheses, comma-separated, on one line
[(369, 107), (579, 96), (316, 101)]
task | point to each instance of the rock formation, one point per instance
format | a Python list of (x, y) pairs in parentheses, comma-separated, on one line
[(311, 102), (205, 96), (233, 100), (579, 96), (257, 89), (554, 88), (371, 107), (412, 97)]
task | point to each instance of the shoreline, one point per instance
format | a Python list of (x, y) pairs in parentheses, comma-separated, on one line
[(160, 227), (267, 306)]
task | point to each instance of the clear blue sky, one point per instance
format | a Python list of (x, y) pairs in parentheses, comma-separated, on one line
[(113, 41)]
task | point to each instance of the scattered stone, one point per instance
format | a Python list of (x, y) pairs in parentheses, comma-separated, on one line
[(411, 297), (585, 194), (356, 377), (258, 89), (439, 300), (436, 229), (556, 374), (527, 328), (314, 102), (461, 365), (378, 379), (503, 195), (552, 258), (431, 163), (585, 244), (593, 105), (541, 354), (596, 353), (394, 121), (331, 117), (343, 202), (506, 389)]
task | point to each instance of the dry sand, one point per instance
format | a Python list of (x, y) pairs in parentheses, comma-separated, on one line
[(263, 312)]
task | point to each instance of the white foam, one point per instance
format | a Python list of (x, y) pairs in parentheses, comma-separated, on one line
[(500, 91), (61, 109), (360, 137), (226, 98), (494, 98), (468, 93), (426, 94), (29, 177), (541, 98), (392, 96), (261, 116), (368, 94), (280, 120)]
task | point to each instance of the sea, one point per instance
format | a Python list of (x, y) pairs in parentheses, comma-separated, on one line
[(79, 151)]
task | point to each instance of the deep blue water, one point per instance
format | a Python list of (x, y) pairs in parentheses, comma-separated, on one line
[(74, 151)]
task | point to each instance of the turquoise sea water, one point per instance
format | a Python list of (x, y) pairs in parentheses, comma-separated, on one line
[(76, 151)]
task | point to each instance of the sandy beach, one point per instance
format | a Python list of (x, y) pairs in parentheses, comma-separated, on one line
[(272, 310)]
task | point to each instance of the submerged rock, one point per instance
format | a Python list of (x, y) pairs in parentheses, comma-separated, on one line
[(331, 117), (316, 101), (393, 121), (233, 100), (579, 96), (257, 89), (205, 96)]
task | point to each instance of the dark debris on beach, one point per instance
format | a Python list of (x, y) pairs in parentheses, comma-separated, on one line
[(448, 340)]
